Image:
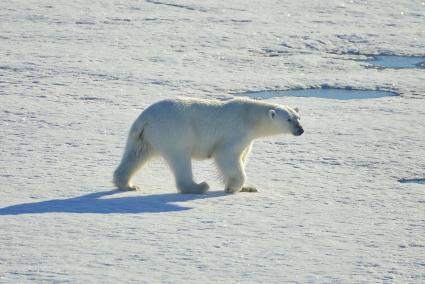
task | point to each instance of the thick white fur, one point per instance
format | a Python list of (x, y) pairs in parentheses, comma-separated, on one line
[(182, 129)]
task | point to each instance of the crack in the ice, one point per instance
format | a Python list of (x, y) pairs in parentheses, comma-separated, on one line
[(190, 8)]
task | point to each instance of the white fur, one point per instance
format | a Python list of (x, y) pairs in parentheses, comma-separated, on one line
[(181, 129)]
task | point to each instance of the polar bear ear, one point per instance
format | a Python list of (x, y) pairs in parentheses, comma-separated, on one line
[(272, 114), (297, 110)]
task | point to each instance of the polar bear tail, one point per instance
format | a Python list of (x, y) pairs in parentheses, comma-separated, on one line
[(137, 152)]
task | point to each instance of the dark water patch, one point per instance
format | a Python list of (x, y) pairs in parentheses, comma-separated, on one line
[(412, 180), (397, 62), (324, 93)]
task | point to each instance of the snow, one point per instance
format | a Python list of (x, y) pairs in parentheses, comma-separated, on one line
[(74, 76)]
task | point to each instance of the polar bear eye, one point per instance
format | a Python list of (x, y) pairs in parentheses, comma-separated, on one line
[(272, 114), (289, 120)]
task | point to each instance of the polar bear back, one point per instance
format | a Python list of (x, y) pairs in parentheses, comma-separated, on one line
[(192, 124), (200, 126)]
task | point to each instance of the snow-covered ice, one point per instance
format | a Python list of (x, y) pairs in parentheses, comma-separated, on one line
[(332, 207)]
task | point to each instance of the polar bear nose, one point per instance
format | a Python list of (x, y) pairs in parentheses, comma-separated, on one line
[(300, 131)]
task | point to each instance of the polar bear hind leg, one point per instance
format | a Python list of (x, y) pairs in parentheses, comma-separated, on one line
[(181, 165), (137, 153)]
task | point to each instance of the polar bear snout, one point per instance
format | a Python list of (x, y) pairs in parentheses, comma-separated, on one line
[(298, 130)]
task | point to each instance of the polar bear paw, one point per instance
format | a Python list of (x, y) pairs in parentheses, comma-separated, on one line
[(243, 189), (130, 188), (194, 188), (248, 189)]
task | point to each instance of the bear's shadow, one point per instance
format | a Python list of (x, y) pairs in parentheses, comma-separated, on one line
[(94, 203)]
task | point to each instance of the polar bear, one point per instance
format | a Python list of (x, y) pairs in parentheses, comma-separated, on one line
[(186, 128)]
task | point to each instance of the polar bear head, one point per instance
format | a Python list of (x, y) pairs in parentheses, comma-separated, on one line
[(285, 120)]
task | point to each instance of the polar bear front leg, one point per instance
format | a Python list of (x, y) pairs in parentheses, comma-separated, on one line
[(181, 165), (232, 170), (244, 157), (245, 154)]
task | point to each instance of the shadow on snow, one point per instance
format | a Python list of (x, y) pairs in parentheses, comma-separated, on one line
[(94, 203)]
